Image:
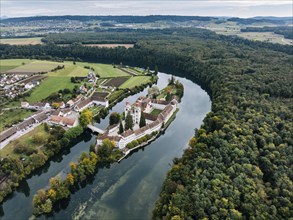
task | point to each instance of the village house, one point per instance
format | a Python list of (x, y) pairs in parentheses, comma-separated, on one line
[(34, 119), (154, 123), (72, 102), (63, 121), (91, 77), (98, 98), (31, 85), (36, 106)]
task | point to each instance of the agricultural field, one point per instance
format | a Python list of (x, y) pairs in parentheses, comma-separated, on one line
[(48, 86), (104, 70), (21, 41), (9, 64), (61, 79), (135, 81), (29, 139), (69, 71), (34, 67), (13, 116), (257, 36), (116, 82), (133, 71), (56, 81)]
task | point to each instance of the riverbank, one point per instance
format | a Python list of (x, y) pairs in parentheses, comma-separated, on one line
[(127, 182), (22, 170), (152, 139), (106, 153)]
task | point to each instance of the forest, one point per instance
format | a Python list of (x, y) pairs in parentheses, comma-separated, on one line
[(239, 163), (119, 19)]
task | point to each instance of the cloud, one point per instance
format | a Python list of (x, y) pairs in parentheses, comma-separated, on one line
[(241, 8)]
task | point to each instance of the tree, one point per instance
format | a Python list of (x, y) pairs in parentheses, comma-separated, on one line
[(171, 80), (142, 122), (104, 151), (153, 91), (128, 122), (114, 118), (85, 117), (70, 179), (121, 129), (168, 96), (156, 70)]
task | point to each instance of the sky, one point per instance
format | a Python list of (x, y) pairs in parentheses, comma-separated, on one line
[(230, 8)]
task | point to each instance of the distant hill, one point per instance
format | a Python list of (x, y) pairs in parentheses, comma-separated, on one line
[(272, 20), (119, 19)]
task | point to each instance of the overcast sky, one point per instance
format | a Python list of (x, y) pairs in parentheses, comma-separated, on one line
[(240, 8)]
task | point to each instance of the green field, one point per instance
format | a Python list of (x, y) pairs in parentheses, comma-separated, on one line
[(22, 41), (104, 70), (36, 66), (9, 64), (12, 116), (61, 79), (25, 140), (135, 81), (69, 71), (48, 86)]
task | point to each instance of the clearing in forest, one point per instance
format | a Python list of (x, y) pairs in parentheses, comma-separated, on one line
[(22, 41)]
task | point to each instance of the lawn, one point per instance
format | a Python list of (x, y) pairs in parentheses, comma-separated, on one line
[(156, 112), (96, 109), (10, 117), (9, 64), (48, 86), (21, 41), (26, 140), (135, 81)]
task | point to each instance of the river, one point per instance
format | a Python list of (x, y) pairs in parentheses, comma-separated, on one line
[(125, 190)]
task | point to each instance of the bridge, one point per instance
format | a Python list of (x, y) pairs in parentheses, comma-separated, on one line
[(95, 129)]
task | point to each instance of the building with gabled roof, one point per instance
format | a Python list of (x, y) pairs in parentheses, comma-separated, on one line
[(121, 140), (63, 121)]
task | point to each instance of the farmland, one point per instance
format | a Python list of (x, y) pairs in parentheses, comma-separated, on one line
[(48, 86), (135, 81), (69, 71), (35, 67), (116, 82), (9, 64), (61, 79), (103, 70), (21, 41)]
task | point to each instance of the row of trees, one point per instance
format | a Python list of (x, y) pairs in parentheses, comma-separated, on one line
[(15, 169)]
